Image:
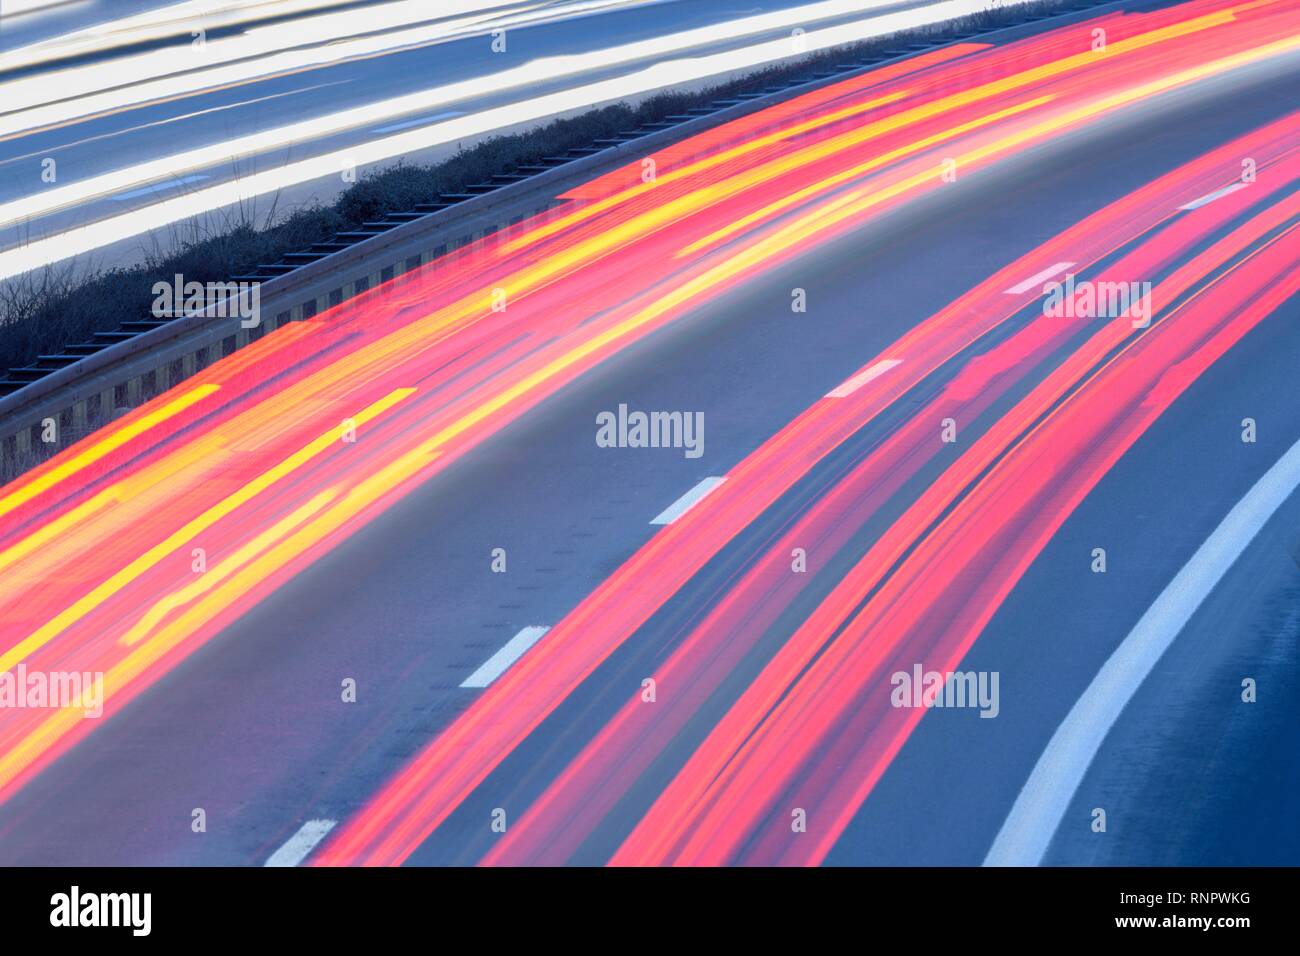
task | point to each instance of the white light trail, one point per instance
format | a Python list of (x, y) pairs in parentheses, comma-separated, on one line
[(80, 240)]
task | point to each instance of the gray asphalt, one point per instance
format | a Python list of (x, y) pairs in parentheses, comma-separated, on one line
[(251, 728)]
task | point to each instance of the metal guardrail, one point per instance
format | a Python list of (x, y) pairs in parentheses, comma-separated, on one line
[(87, 385)]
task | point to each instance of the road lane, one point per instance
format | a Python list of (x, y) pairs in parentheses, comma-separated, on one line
[(1037, 813)]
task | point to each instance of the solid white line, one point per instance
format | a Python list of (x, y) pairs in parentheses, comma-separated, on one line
[(1037, 813), (863, 377), (687, 501), (496, 665), (1217, 194), (301, 843), (1038, 278)]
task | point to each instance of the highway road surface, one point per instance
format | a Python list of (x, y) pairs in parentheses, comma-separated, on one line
[(984, 364)]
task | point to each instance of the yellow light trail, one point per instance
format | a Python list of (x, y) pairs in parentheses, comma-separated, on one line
[(103, 447), (76, 611)]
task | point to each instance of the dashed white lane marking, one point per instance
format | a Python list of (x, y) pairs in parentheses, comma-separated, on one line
[(863, 377), (158, 187), (1038, 278), (687, 501), (1217, 194), (419, 122), (1037, 812), (496, 665), (301, 843)]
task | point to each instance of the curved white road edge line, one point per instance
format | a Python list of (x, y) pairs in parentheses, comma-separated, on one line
[(1033, 821)]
